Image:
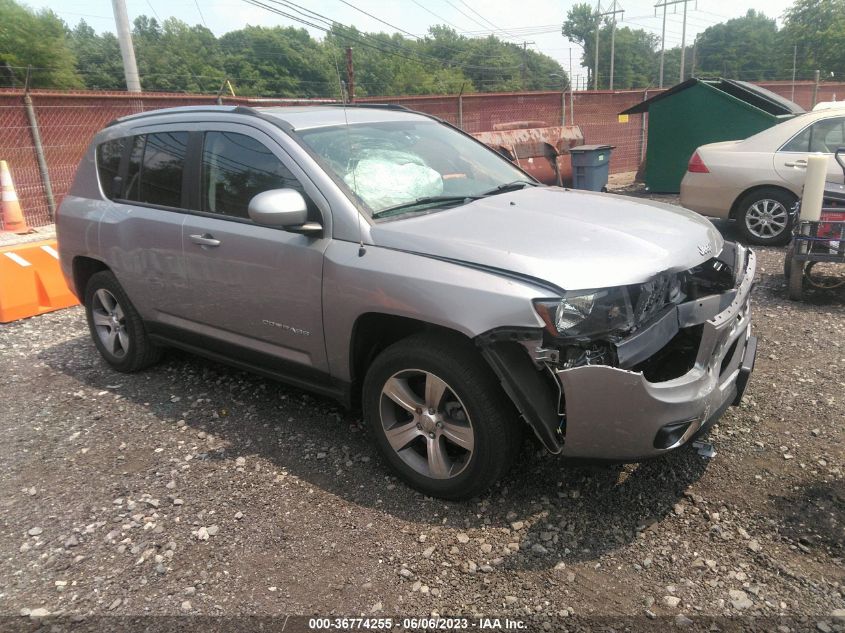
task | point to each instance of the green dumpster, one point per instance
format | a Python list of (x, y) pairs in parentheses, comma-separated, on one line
[(697, 112)]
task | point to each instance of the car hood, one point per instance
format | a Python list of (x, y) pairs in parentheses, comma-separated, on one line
[(572, 239)]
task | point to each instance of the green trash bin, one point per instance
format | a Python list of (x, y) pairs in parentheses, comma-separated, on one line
[(590, 166)]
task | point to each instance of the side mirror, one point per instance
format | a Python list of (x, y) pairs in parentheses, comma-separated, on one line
[(284, 208)]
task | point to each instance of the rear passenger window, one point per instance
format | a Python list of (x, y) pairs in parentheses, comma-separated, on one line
[(108, 165), (156, 165), (236, 167)]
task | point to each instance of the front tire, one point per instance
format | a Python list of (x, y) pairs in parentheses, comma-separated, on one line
[(116, 327), (439, 416), (764, 216)]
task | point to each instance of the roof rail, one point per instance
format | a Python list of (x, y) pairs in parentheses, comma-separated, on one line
[(176, 110), (381, 106)]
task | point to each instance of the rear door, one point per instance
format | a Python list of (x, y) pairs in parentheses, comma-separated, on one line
[(252, 289), (824, 137), (140, 232)]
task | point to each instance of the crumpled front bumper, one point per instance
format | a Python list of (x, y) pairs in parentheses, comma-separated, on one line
[(619, 415)]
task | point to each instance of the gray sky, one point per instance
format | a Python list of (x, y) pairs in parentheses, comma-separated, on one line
[(535, 21)]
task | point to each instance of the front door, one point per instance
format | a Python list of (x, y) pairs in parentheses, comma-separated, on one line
[(253, 289), (824, 136)]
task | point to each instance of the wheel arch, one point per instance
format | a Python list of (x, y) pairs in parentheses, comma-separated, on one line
[(372, 332), (83, 269), (735, 206)]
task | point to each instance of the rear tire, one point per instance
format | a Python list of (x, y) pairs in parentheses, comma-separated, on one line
[(455, 432), (764, 216), (115, 325)]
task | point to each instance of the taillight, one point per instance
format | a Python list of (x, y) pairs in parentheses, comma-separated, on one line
[(696, 165)]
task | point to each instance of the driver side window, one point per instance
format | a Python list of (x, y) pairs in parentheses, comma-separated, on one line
[(235, 168)]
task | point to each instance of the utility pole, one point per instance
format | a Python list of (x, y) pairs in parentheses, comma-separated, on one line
[(571, 91), (683, 45), (612, 13), (524, 54), (665, 4), (124, 36), (596, 62), (815, 89), (692, 66), (662, 45), (794, 59), (350, 75)]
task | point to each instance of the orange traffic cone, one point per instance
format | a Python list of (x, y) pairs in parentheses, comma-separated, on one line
[(13, 219)]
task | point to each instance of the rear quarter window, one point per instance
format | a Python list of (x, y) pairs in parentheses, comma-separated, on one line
[(108, 166)]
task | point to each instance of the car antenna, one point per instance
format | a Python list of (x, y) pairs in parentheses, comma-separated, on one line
[(361, 250)]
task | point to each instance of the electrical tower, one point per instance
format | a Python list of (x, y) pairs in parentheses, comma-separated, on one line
[(665, 4), (612, 13)]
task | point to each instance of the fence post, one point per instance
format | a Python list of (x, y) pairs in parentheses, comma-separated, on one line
[(815, 89), (642, 128), (562, 107), (461, 107), (39, 151)]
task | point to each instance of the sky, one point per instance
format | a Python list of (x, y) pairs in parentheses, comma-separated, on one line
[(534, 21)]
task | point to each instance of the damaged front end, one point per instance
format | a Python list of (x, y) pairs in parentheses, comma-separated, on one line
[(630, 372)]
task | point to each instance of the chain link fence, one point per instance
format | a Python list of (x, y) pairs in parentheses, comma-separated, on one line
[(68, 120)]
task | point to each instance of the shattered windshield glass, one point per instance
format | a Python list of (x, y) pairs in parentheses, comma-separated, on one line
[(389, 166)]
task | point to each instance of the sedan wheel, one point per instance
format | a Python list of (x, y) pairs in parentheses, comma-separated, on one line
[(766, 219), (764, 216), (426, 424)]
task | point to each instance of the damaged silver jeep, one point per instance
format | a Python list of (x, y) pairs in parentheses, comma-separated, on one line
[(386, 259)]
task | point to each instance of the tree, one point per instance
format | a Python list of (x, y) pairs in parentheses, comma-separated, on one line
[(634, 60), (817, 28), (38, 40), (743, 48), (174, 56), (98, 58), (580, 27), (277, 62)]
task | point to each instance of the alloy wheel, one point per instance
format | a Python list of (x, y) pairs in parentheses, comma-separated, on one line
[(766, 218), (426, 424), (110, 323)]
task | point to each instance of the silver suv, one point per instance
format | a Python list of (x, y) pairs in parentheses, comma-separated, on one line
[(386, 259)]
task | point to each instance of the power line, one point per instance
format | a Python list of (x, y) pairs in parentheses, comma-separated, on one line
[(202, 17), (410, 56), (445, 21)]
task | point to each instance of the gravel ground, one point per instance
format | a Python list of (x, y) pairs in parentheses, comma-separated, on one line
[(193, 488)]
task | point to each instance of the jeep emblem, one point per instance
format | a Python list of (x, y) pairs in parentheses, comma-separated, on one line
[(705, 249)]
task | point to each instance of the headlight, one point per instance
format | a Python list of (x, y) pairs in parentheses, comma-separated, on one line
[(586, 313)]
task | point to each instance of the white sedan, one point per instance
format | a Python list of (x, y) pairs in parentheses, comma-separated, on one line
[(756, 181)]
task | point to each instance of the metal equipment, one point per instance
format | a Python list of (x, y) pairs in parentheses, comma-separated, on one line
[(817, 252), (542, 151)]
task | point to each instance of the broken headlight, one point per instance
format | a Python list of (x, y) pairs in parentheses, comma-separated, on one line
[(587, 313)]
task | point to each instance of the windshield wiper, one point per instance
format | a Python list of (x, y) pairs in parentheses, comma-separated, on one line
[(421, 201), (510, 186)]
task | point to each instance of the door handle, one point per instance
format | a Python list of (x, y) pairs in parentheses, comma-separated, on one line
[(797, 163), (204, 240)]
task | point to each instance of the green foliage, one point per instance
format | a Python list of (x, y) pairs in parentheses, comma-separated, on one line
[(176, 57), (289, 62), (817, 28), (276, 62), (38, 40), (743, 48), (100, 55)]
